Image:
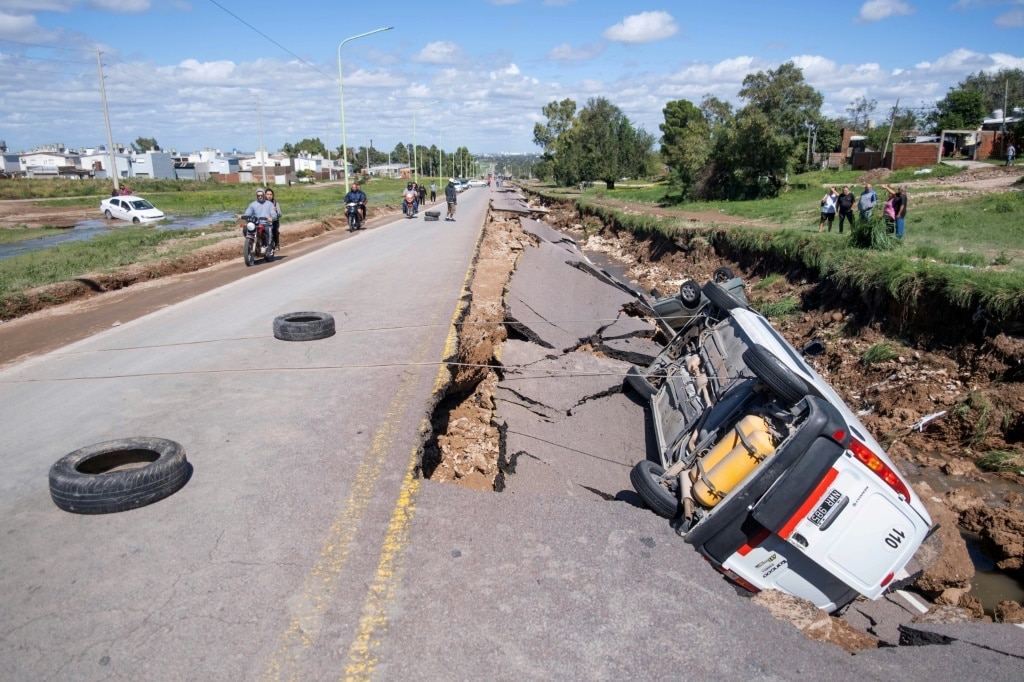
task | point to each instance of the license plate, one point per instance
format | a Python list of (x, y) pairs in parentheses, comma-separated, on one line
[(833, 503)]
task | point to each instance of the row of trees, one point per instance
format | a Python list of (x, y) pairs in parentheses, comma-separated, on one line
[(596, 143), (425, 159)]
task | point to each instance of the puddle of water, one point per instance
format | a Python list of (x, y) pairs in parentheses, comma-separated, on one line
[(991, 585), (84, 230)]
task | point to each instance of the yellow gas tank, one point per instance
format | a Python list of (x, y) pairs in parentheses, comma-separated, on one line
[(731, 459)]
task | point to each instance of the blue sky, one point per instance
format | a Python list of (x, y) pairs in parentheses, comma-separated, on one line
[(472, 73)]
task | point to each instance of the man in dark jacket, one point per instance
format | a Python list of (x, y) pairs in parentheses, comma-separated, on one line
[(845, 205), (451, 195)]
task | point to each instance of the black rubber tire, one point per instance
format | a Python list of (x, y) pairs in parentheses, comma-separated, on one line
[(108, 215), (689, 293), (304, 326), (638, 382), (722, 297), (136, 220), (118, 475), (722, 275), (644, 477), (247, 253), (779, 379)]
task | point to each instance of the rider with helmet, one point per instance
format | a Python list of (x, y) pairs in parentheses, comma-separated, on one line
[(411, 196), (358, 197), (261, 208)]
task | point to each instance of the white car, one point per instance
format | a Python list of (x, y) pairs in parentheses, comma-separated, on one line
[(130, 207), (764, 468), (477, 183)]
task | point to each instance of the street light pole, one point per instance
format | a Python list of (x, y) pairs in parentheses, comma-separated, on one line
[(440, 155), (415, 162), (341, 94)]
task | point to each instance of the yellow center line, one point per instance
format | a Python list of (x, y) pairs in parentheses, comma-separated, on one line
[(309, 606), (373, 622)]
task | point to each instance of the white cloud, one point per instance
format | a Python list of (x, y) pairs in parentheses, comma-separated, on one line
[(121, 6), (23, 27), (568, 53), (876, 10), (439, 52), (1012, 19), (645, 27)]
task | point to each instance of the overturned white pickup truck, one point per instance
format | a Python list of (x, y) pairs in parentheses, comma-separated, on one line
[(765, 469)]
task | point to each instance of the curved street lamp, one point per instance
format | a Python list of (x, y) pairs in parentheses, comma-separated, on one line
[(341, 93)]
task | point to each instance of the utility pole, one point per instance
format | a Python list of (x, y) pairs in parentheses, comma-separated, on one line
[(259, 119), (106, 118), (330, 164), (368, 156), (1002, 134), (892, 122)]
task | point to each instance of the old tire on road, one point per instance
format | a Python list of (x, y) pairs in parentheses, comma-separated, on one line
[(304, 326), (645, 477), (117, 475), (779, 378)]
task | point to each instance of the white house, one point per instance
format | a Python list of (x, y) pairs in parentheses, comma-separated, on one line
[(98, 161), (156, 165)]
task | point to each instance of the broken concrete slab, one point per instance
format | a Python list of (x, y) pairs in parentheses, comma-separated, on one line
[(562, 383), (1001, 637), (589, 452), (628, 326), (542, 231), (632, 349), (516, 353), (557, 306)]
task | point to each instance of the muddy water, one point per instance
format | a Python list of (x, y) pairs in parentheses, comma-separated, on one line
[(84, 230)]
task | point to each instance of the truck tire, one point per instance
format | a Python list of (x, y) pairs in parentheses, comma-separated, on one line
[(644, 477), (779, 378), (118, 475), (304, 326)]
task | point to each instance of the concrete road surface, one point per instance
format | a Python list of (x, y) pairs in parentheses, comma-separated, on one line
[(303, 547)]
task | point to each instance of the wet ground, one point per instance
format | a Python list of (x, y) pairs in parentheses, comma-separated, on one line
[(84, 230)]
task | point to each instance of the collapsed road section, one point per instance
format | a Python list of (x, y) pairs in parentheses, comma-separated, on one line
[(537, 405)]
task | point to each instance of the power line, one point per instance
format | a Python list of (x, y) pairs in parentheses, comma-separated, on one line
[(330, 78)]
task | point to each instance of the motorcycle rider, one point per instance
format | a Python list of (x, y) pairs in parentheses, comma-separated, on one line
[(411, 197), (277, 217), (261, 208), (358, 197)]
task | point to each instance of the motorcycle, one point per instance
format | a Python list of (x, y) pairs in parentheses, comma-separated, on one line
[(355, 216), (258, 240), (409, 206)]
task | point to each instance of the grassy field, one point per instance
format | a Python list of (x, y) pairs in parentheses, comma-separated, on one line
[(976, 231), (24, 234)]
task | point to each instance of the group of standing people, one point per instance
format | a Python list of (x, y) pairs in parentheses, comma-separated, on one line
[(841, 204)]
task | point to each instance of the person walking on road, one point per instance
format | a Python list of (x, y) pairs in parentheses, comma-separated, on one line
[(844, 203), (866, 203), (433, 192), (451, 195), (1011, 152)]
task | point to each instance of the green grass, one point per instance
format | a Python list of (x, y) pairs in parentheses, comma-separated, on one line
[(104, 253), (769, 280), (774, 309), (21, 234), (880, 352), (1002, 460)]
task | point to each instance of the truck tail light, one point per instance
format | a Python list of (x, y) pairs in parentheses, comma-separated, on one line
[(880, 468)]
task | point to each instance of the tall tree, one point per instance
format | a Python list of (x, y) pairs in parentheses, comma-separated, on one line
[(958, 110), (686, 144), (779, 107), (560, 117), (311, 146), (145, 144), (999, 90), (607, 145)]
